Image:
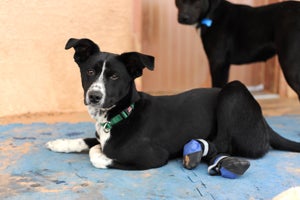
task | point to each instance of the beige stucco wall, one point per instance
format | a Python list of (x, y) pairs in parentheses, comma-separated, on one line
[(36, 73)]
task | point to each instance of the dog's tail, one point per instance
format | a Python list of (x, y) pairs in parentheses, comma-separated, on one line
[(280, 143)]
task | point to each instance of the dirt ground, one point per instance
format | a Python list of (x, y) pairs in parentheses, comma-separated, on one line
[(270, 107)]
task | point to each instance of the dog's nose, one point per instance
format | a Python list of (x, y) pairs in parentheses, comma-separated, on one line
[(183, 18), (95, 96)]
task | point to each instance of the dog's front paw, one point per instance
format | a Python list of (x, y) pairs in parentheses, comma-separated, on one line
[(67, 145), (98, 159)]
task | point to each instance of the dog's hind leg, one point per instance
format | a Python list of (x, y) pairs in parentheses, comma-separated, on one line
[(242, 130)]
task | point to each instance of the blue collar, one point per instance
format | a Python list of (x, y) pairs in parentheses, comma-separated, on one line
[(206, 22)]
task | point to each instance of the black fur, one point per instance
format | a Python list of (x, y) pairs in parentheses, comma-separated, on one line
[(159, 126), (242, 34)]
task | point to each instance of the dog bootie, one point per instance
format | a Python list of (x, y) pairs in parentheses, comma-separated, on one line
[(192, 154), (228, 167)]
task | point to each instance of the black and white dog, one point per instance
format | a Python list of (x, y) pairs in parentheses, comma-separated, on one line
[(240, 34), (137, 131)]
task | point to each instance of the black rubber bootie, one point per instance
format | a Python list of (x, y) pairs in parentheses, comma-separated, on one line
[(229, 167)]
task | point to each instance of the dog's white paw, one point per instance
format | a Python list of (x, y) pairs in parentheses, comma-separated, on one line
[(67, 145), (98, 159)]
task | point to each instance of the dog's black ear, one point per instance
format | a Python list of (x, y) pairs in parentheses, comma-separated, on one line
[(135, 63), (84, 48)]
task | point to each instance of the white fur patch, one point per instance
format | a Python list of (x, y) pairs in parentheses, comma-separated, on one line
[(98, 85), (93, 111), (67, 145), (104, 136), (98, 159)]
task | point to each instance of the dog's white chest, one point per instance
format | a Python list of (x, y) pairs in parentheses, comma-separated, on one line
[(100, 119), (104, 135)]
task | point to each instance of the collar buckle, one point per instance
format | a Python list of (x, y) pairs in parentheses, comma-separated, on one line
[(107, 126)]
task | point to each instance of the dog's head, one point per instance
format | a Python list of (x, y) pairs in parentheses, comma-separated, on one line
[(192, 11), (106, 77)]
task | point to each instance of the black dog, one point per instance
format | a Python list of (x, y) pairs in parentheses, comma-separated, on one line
[(137, 131), (239, 34)]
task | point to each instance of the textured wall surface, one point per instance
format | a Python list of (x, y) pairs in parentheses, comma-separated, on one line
[(36, 73)]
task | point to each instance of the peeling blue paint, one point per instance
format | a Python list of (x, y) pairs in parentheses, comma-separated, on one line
[(30, 171), (24, 138), (46, 133), (74, 134), (59, 182)]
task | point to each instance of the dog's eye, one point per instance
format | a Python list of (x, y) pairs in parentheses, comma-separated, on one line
[(90, 72), (114, 77)]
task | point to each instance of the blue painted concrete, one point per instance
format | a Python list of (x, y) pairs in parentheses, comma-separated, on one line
[(29, 171)]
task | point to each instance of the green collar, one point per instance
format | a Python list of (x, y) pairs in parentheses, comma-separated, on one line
[(116, 119)]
